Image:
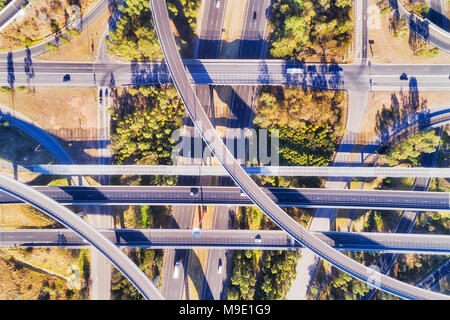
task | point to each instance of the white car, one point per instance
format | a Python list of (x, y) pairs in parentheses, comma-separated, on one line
[(219, 268), (217, 3), (176, 270)]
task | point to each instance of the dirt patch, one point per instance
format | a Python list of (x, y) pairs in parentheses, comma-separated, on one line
[(82, 48), (387, 49), (69, 114), (17, 216), (33, 274)]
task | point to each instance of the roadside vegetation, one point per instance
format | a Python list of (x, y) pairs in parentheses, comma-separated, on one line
[(408, 152), (134, 38), (311, 29), (309, 122)]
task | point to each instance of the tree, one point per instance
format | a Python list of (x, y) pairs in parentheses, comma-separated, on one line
[(409, 150)]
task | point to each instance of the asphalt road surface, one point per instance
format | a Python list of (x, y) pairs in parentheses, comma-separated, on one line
[(218, 239)]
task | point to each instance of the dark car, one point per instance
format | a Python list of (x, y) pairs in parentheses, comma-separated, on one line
[(66, 78), (100, 96), (403, 76), (254, 16), (194, 192)]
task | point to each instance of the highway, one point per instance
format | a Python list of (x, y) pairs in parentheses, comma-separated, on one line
[(241, 106), (84, 230), (382, 77), (261, 199), (230, 239), (224, 196)]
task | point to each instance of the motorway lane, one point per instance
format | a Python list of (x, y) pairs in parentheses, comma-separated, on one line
[(213, 140), (253, 42), (210, 34), (295, 197), (100, 216), (220, 239)]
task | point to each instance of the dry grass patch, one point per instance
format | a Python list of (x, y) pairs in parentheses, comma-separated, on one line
[(18, 216), (374, 119), (69, 114), (42, 19), (82, 48)]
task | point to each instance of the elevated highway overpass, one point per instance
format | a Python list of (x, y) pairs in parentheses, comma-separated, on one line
[(230, 239), (224, 196), (197, 170), (249, 187)]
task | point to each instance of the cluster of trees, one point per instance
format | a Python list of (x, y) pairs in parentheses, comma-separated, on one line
[(278, 270), (142, 135), (409, 151), (412, 268), (308, 121), (184, 16), (134, 37), (346, 287), (143, 121), (435, 222), (308, 28), (243, 275)]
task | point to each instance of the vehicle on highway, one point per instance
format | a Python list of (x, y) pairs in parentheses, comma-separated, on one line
[(294, 70), (403, 76), (66, 78), (100, 96), (176, 270), (242, 194), (219, 267), (194, 192), (254, 16), (217, 3), (196, 233), (258, 238)]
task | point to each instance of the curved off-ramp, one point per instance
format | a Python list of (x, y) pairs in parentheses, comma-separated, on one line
[(63, 215), (215, 143)]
